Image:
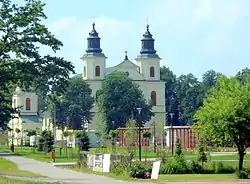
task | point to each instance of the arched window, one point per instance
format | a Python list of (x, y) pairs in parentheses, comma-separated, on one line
[(84, 71), (97, 71), (27, 104), (153, 98), (152, 71)]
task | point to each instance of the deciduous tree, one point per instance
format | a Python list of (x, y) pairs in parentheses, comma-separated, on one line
[(225, 114), (119, 98), (23, 35)]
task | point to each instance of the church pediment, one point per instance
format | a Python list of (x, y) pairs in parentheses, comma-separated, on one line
[(129, 67)]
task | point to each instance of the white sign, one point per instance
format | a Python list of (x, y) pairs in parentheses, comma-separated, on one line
[(98, 160), (90, 158), (106, 163), (155, 170)]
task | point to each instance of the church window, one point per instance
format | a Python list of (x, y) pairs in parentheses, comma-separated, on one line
[(27, 104), (84, 71), (153, 98), (97, 71), (152, 71)]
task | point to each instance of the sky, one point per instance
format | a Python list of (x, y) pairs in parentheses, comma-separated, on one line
[(191, 36)]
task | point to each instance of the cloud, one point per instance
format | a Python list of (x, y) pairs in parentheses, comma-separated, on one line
[(215, 20), (209, 24), (116, 36)]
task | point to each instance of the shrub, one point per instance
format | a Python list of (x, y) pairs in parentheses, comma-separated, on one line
[(177, 167), (195, 168), (202, 157), (218, 168), (174, 167), (120, 168), (241, 174), (141, 170), (46, 141)]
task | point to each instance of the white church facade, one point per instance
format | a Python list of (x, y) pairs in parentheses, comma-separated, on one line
[(144, 70), (27, 118)]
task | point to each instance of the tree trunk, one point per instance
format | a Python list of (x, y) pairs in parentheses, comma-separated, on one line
[(241, 160)]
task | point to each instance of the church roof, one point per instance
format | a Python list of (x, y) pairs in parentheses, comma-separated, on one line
[(125, 65), (30, 118)]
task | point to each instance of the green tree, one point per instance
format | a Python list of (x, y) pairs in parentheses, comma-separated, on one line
[(113, 135), (202, 157), (101, 128), (225, 114), (131, 135), (119, 98), (188, 89), (79, 101), (171, 100), (46, 141), (22, 35), (73, 106)]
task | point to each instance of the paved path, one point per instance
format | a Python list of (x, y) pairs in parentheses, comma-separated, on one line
[(63, 176)]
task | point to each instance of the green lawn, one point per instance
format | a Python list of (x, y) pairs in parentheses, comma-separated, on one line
[(44, 157), (12, 181), (73, 154), (199, 177), (9, 168)]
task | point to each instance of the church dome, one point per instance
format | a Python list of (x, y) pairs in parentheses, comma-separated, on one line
[(94, 42)]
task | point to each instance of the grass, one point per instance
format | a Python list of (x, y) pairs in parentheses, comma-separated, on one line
[(9, 168), (12, 181), (199, 177), (44, 157), (88, 171)]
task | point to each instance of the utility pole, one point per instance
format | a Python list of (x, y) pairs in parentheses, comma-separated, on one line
[(154, 138), (139, 112), (172, 133)]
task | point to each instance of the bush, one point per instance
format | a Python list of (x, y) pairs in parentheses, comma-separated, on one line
[(195, 168), (202, 157), (241, 174), (218, 168), (177, 167), (141, 170), (120, 168), (46, 141)]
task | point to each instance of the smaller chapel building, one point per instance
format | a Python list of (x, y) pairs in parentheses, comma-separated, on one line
[(27, 118)]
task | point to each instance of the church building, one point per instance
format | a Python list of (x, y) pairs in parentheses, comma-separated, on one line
[(27, 118), (144, 70)]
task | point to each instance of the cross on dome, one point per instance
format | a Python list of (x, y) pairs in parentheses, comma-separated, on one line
[(126, 55)]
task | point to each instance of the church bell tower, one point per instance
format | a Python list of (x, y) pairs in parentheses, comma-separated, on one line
[(94, 61), (148, 60)]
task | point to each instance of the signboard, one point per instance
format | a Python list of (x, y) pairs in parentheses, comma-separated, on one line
[(91, 160), (106, 163), (98, 162), (155, 170)]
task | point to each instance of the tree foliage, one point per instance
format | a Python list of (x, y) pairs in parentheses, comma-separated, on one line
[(119, 98), (74, 105), (23, 35), (184, 94), (225, 114), (131, 133)]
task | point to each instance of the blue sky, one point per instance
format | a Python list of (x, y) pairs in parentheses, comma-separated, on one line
[(191, 35)]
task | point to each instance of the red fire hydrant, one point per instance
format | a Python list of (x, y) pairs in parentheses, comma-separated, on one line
[(53, 155)]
